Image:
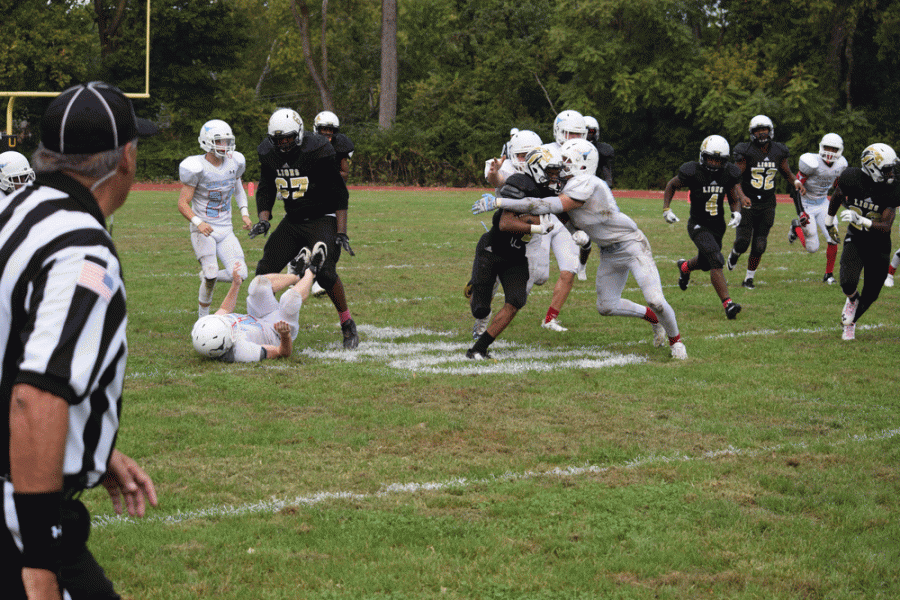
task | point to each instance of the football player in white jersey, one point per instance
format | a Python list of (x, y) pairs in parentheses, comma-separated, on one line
[(895, 262), (208, 183), (817, 173), (15, 171), (269, 328), (623, 246)]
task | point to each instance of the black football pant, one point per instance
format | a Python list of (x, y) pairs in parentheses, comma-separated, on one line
[(288, 238), (755, 225), (869, 252), (486, 268)]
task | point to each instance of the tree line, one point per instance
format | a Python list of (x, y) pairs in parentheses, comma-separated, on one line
[(658, 75)]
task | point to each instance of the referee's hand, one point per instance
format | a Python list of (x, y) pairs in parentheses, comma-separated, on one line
[(126, 479)]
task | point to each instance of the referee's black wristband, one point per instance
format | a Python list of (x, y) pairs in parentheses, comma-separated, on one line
[(41, 529)]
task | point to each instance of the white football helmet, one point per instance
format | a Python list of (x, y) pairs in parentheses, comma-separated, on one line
[(580, 159), (216, 137), (326, 118), (593, 129), (212, 336), (566, 122), (14, 171), (544, 164), (714, 146), (520, 145), (880, 162), (761, 122), (832, 140), (285, 129)]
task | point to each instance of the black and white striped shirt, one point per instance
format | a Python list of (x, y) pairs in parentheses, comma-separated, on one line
[(63, 317)]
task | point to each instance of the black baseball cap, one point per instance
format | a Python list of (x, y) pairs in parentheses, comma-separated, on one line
[(90, 118)]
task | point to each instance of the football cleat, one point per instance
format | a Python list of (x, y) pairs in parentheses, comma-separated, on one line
[(683, 277), (351, 339), (828, 278), (317, 258), (849, 332), (679, 352), (731, 263), (732, 310), (553, 325), (792, 234), (748, 283), (317, 290), (300, 263), (848, 315), (889, 281), (477, 354), (659, 335)]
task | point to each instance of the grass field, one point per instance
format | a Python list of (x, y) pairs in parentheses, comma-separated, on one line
[(579, 465)]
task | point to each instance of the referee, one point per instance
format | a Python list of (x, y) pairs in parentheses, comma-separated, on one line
[(62, 335)]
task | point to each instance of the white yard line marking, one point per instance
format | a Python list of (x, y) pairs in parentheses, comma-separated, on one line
[(274, 505)]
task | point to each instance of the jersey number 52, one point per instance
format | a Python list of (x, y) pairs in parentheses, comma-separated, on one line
[(762, 178)]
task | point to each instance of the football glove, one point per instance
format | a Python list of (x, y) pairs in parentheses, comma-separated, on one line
[(804, 219), (344, 241), (669, 216), (261, 228), (486, 203), (855, 218), (581, 238), (735, 220), (832, 230), (546, 225)]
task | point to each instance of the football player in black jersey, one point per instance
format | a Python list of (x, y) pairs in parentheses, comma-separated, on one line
[(300, 168), (500, 252), (759, 160), (709, 180), (327, 124), (871, 195)]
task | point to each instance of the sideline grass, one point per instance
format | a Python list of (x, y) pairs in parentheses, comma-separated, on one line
[(763, 467)]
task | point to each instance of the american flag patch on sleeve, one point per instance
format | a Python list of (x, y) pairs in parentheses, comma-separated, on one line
[(95, 278)]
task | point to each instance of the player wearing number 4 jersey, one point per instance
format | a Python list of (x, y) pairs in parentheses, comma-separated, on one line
[(208, 183), (300, 168), (759, 160), (709, 181)]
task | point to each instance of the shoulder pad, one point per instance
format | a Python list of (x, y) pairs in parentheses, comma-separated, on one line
[(241, 162), (342, 143), (581, 189), (190, 169), (732, 170), (740, 150), (265, 147), (510, 191), (523, 183), (688, 171), (808, 163), (605, 150), (316, 144)]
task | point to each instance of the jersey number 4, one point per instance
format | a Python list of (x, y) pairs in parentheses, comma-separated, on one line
[(292, 188), (762, 178)]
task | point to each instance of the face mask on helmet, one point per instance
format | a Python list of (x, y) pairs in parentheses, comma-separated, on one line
[(831, 147), (544, 164), (593, 129), (580, 159), (216, 137), (285, 129), (520, 145), (212, 336), (762, 130), (569, 124), (714, 153), (326, 123), (14, 171), (879, 161)]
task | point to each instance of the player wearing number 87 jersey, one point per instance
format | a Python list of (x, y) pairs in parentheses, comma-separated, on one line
[(299, 167), (209, 181), (759, 160), (710, 180)]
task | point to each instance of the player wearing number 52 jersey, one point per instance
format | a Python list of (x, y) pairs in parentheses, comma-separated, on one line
[(871, 195), (759, 160), (208, 183), (710, 180), (300, 168)]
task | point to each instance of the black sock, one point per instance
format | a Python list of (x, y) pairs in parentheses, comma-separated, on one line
[(482, 343)]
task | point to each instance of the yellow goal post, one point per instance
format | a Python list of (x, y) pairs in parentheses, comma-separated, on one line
[(145, 94)]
